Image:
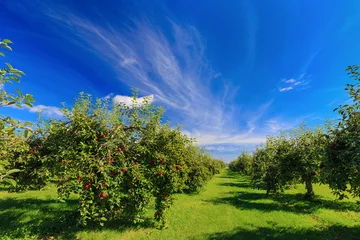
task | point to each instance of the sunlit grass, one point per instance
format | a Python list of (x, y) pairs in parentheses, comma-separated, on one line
[(227, 209)]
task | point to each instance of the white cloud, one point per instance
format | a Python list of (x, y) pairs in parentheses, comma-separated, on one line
[(107, 97), (285, 89), (206, 138), (225, 148), (292, 83), (290, 80), (49, 111), (278, 123), (128, 61), (129, 100)]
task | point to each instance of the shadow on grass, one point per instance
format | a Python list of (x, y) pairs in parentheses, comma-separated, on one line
[(238, 184), (243, 199), (24, 218), (329, 233), (284, 202)]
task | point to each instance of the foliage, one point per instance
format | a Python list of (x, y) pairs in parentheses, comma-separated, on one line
[(201, 167), (242, 164), (118, 159), (343, 153), (11, 142), (290, 158)]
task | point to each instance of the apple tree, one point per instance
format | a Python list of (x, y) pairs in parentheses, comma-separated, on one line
[(242, 163), (290, 158), (343, 152), (12, 132), (117, 158)]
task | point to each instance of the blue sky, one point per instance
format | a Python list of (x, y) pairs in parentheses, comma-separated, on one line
[(231, 72)]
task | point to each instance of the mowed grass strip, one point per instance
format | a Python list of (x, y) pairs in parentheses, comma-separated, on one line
[(228, 208)]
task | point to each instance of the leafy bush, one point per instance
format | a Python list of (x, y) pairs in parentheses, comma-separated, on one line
[(242, 164)]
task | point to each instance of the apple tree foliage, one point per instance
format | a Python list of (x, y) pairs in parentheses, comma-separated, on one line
[(342, 166), (119, 159), (242, 163), (12, 132), (291, 158)]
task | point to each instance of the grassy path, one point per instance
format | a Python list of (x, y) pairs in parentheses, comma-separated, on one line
[(228, 209)]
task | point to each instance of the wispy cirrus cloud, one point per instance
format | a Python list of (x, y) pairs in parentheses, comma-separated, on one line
[(300, 83), (176, 73)]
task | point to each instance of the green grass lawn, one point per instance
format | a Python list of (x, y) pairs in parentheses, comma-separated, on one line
[(227, 209)]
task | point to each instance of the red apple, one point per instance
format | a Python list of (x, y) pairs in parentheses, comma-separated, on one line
[(132, 184), (79, 178), (136, 163), (103, 195), (160, 173)]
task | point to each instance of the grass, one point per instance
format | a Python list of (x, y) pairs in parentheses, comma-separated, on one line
[(227, 209)]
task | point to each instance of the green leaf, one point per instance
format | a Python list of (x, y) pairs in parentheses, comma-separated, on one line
[(103, 219), (2, 54), (28, 104), (6, 41), (10, 181), (27, 123), (9, 66), (13, 171), (26, 133), (19, 92)]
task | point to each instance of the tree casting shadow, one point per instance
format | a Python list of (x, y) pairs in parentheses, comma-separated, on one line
[(329, 233), (284, 202), (20, 219)]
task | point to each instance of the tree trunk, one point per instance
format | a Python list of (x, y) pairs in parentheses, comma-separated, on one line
[(309, 188)]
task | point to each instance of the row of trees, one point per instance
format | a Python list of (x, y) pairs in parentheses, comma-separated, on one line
[(118, 159), (328, 155)]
